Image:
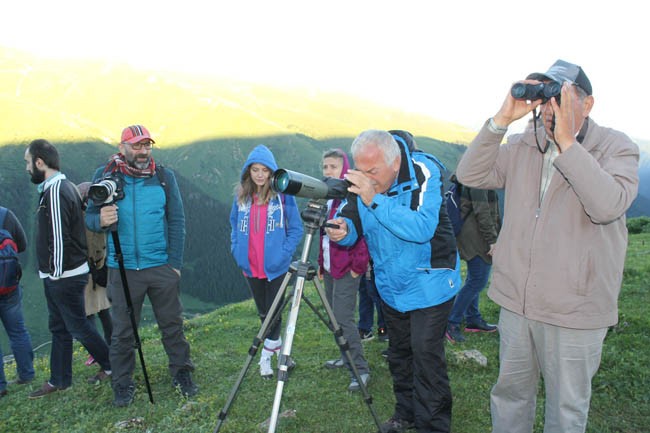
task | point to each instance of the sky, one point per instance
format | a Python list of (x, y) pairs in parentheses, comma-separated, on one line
[(452, 60)]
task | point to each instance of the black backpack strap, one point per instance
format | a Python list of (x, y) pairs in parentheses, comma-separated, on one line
[(3, 215), (162, 178)]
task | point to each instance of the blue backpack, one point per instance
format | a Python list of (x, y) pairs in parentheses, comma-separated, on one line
[(10, 271), (452, 203)]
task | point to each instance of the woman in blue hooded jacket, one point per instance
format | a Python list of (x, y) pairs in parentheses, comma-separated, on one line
[(265, 231)]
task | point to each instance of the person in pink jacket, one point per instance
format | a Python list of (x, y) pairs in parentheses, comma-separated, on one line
[(341, 268), (558, 261)]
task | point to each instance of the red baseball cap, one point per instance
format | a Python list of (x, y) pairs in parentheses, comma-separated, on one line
[(134, 134)]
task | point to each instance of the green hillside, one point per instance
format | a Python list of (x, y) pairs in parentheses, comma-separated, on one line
[(220, 341)]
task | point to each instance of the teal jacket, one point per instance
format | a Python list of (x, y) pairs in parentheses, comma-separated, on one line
[(151, 231)]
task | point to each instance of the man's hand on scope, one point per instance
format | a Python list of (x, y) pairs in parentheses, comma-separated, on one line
[(336, 234)]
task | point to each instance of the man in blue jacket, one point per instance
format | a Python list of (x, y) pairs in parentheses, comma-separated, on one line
[(396, 203), (151, 228)]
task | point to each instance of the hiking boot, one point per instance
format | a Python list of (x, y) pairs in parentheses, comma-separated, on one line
[(183, 379), (99, 377), (291, 364), (123, 395), (354, 384), (480, 325), (45, 390), (383, 335), (365, 336), (396, 425), (453, 334), (334, 363)]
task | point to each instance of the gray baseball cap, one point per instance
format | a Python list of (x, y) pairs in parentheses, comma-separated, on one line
[(562, 71)]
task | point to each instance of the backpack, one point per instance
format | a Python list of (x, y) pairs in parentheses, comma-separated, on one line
[(452, 202), (10, 271)]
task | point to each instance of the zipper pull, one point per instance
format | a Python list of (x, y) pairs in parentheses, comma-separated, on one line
[(537, 211)]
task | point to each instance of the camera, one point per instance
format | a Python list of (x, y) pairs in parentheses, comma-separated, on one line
[(301, 185), (533, 92), (106, 191)]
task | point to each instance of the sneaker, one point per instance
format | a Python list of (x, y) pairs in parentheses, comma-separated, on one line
[(365, 336), (396, 425), (123, 395), (383, 335), (453, 334), (354, 384), (45, 390), (334, 363), (183, 379), (265, 368), (480, 326), (90, 361), (99, 377)]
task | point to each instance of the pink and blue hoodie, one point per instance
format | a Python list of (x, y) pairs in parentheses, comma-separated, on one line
[(344, 259), (283, 229)]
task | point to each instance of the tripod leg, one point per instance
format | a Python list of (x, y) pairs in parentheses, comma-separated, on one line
[(345, 348), (286, 347), (272, 316)]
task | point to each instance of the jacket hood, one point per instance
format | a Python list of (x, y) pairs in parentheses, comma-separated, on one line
[(346, 163), (260, 155)]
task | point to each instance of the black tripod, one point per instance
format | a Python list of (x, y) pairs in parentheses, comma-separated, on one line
[(129, 306), (313, 217)]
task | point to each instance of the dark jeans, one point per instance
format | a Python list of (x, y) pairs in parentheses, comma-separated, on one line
[(11, 314), (264, 292), (416, 358), (466, 304), (161, 285), (67, 320), (369, 301)]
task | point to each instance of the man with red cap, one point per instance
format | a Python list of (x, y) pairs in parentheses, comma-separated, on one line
[(150, 223)]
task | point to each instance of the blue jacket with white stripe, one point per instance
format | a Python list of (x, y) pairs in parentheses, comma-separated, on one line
[(409, 236)]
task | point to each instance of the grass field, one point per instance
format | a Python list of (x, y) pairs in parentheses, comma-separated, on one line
[(220, 341)]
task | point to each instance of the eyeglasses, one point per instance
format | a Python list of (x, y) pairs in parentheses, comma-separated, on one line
[(137, 146)]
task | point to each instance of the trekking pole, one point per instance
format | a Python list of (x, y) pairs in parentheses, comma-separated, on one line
[(129, 308)]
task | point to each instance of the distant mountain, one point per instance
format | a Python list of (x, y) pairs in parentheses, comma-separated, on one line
[(204, 128), (84, 100)]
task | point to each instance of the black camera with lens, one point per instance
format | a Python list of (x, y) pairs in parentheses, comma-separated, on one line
[(533, 92), (106, 191)]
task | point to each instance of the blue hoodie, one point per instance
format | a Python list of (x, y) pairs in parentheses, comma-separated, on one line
[(283, 224)]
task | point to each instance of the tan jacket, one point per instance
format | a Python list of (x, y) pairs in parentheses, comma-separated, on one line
[(561, 261), (95, 296)]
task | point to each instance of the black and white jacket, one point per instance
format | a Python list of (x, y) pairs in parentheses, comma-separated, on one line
[(61, 234)]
